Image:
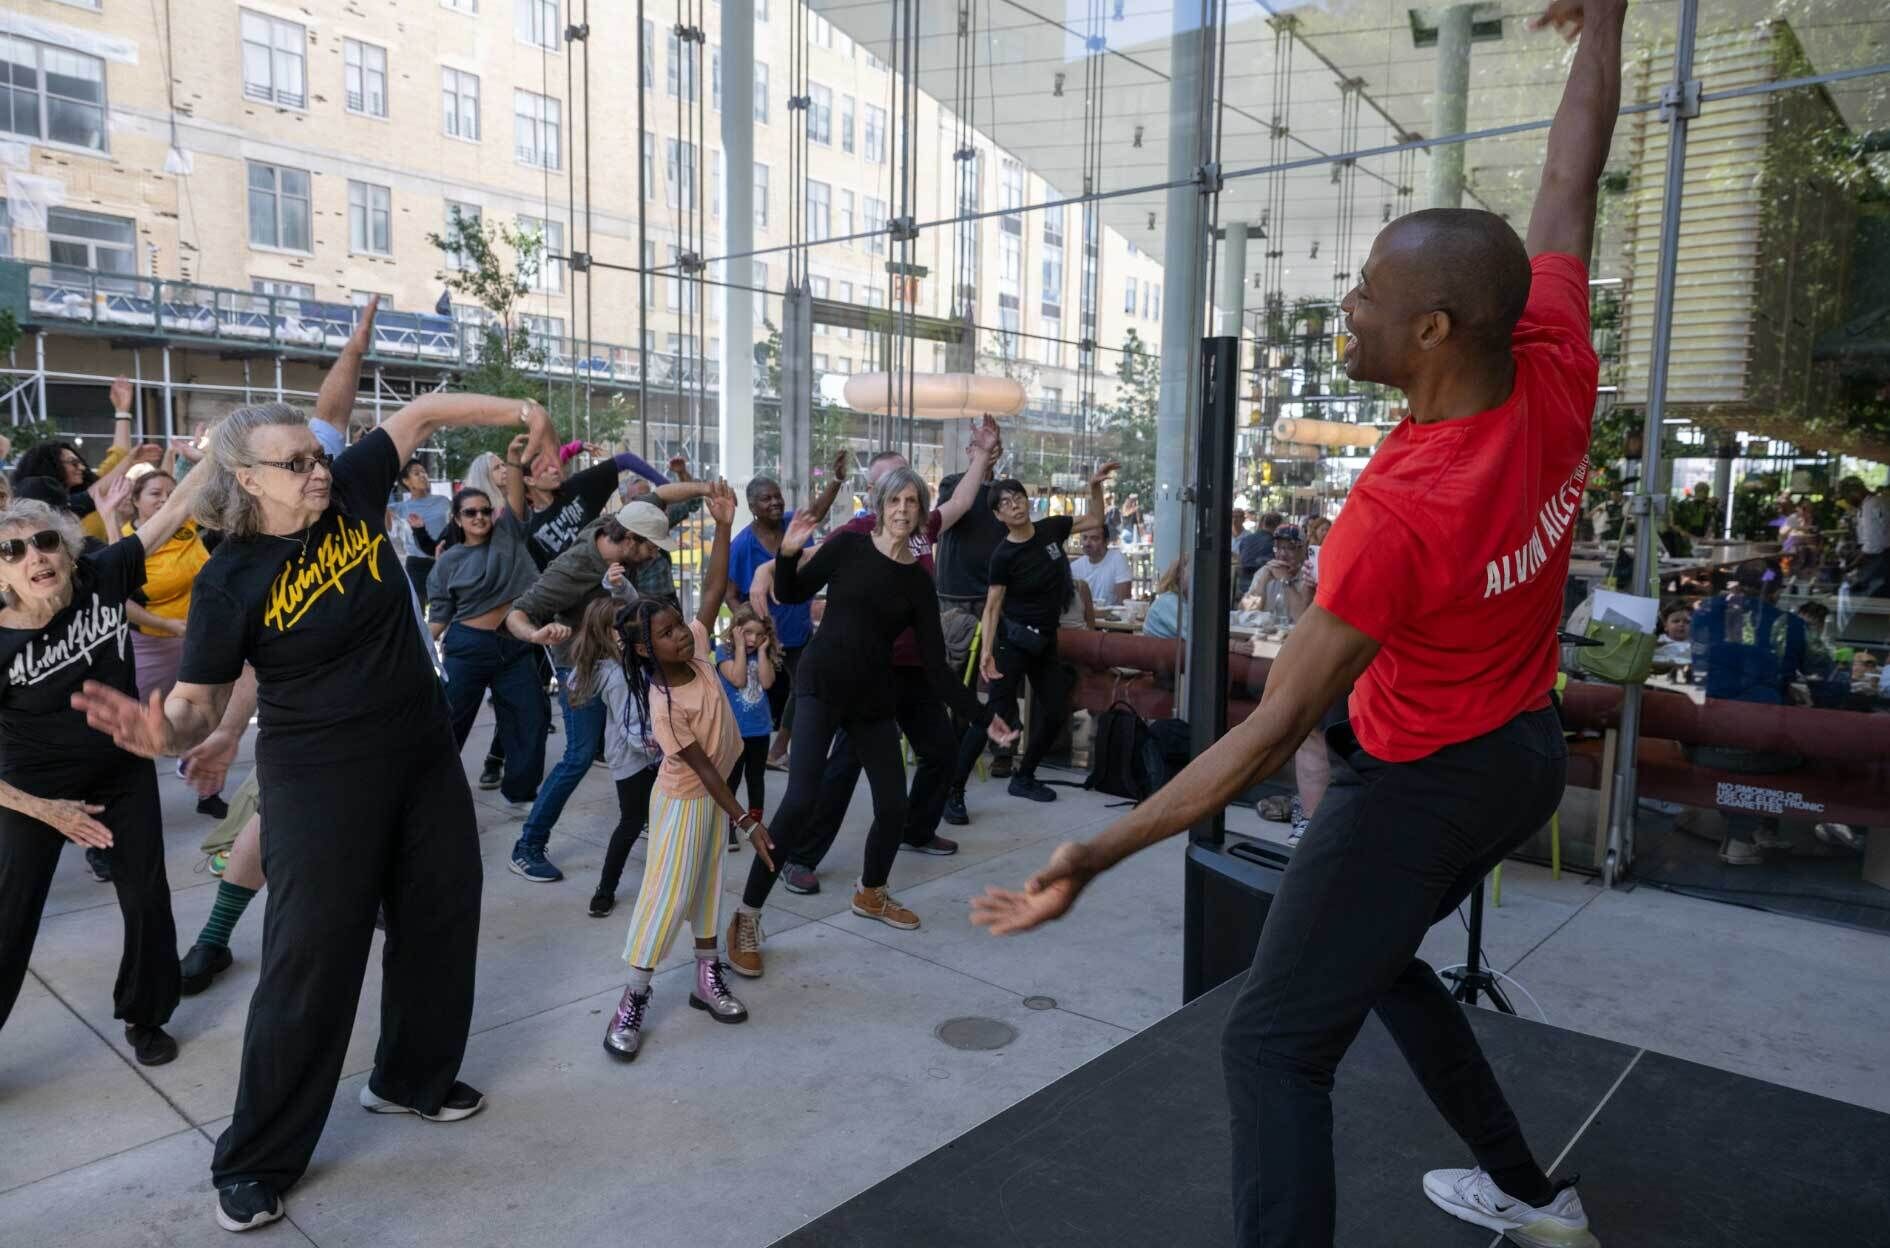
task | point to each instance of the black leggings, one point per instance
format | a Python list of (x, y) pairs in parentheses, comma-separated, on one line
[(753, 763), (633, 815), (877, 743), (147, 986), (1049, 709), (341, 841)]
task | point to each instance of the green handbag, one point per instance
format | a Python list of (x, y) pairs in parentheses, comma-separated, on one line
[(1624, 656)]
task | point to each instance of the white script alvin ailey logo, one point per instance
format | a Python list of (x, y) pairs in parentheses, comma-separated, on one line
[(90, 628), (299, 585), (1553, 520)]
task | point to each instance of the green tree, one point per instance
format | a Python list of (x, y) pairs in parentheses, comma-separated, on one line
[(1129, 422)]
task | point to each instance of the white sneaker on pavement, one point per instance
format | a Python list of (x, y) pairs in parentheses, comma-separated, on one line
[(1474, 1196)]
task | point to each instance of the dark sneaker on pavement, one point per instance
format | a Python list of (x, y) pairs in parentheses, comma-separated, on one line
[(202, 965), (798, 879), (101, 863), (246, 1206), (1031, 789), (1000, 766), (214, 806), (939, 846), (955, 812), (152, 1046), (602, 903), (462, 1101), (534, 866), (490, 775)]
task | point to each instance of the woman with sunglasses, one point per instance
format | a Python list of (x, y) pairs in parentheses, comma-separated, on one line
[(485, 562), (63, 625), (363, 797)]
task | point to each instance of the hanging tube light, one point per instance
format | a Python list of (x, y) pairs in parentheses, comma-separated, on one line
[(938, 396), (1324, 432)]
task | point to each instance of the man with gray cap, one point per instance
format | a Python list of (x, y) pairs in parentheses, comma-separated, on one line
[(632, 542)]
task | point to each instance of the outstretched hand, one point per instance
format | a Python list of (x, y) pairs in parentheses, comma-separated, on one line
[(799, 530), (722, 503), (73, 820), (1567, 16), (999, 731), (364, 327), (136, 728), (1048, 895), (1103, 473), (121, 394), (110, 493)]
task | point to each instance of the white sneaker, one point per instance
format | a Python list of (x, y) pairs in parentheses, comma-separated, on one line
[(1474, 1196)]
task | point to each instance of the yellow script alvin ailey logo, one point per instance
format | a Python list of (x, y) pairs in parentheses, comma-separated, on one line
[(297, 586)]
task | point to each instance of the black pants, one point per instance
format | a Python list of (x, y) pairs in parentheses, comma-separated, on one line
[(923, 721), (753, 764), (877, 742), (633, 815), (147, 986), (781, 692), (419, 568), (495, 750), (339, 841), (1049, 709), (1394, 848)]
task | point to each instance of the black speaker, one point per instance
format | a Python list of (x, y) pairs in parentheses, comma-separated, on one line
[(1229, 889)]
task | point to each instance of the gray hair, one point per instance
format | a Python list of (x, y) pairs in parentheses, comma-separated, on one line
[(895, 481), (479, 476), (757, 484), (30, 512), (224, 504)]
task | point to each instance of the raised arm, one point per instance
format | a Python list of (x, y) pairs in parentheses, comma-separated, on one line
[(1563, 219), (334, 403), (171, 516), (715, 577), (681, 492), (122, 398), (796, 582), (1093, 518), (983, 451), (823, 504), (426, 415)]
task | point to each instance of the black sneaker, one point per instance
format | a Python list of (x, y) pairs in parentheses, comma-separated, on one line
[(939, 846), (202, 965), (602, 903), (246, 1206), (491, 774), (152, 1046), (213, 806), (462, 1101), (955, 812), (1031, 789), (1000, 766), (101, 863)]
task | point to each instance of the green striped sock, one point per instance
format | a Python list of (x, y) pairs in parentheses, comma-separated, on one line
[(232, 900)]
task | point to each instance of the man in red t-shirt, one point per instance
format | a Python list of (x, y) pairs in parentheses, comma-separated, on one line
[(1453, 754), (922, 718)]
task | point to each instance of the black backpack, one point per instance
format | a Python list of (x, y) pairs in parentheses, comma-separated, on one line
[(1125, 758)]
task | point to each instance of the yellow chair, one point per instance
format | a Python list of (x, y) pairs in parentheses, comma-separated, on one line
[(1555, 833)]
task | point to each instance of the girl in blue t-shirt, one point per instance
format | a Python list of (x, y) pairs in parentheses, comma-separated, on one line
[(747, 661)]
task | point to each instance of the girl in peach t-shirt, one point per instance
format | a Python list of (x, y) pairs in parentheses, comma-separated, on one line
[(670, 665)]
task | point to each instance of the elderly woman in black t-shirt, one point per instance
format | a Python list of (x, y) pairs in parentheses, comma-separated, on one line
[(1030, 581), (364, 800), (63, 623)]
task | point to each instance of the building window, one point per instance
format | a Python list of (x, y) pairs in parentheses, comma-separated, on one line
[(537, 129), (545, 333), (820, 113), (1154, 301), (715, 185), (821, 32), (875, 134), (761, 92), (846, 214), (761, 196), (269, 287), (87, 240), (1010, 261), (1052, 342), (461, 6), (275, 61), (364, 77), (875, 226), (1011, 195), (459, 104), (278, 207), (370, 219), (360, 298), (818, 287), (51, 95), (536, 22), (681, 188), (758, 278), (682, 286), (549, 279), (820, 362), (649, 277), (6, 232), (819, 210), (846, 123), (649, 54), (682, 68), (761, 10), (457, 211), (1128, 295), (846, 296)]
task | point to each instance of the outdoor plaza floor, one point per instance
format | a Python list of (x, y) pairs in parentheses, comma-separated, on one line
[(739, 1135)]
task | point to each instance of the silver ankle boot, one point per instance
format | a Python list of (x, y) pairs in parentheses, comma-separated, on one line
[(624, 1036), (712, 994)]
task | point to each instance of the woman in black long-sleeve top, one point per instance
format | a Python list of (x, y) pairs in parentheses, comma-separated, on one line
[(875, 591)]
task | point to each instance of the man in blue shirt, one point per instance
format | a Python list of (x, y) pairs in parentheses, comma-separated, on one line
[(754, 548)]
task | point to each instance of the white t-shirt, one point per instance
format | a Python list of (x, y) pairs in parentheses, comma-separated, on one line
[(1873, 523), (1104, 577)]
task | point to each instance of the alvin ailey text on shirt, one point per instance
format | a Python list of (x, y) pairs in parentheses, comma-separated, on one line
[(299, 585), (92, 626), (1553, 519)]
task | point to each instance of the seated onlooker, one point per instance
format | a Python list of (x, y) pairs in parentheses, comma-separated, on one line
[(1164, 614), (1102, 569), (1256, 548), (1676, 634), (1284, 585)]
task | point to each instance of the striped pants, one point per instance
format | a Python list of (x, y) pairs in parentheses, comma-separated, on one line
[(682, 876)]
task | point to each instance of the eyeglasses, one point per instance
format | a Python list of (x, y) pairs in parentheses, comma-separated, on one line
[(302, 465), (475, 513), (13, 549)]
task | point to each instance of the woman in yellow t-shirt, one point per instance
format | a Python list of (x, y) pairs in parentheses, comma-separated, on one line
[(169, 569)]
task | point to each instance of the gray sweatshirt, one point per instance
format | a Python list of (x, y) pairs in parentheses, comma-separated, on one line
[(468, 581)]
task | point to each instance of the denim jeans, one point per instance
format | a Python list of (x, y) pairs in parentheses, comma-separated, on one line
[(478, 659), (583, 735), (1394, 848)]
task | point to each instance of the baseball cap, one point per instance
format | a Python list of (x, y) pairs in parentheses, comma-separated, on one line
[(1287, 533), (647, 521)]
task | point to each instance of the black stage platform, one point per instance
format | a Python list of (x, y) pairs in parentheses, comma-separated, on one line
[(1131, 1150)]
